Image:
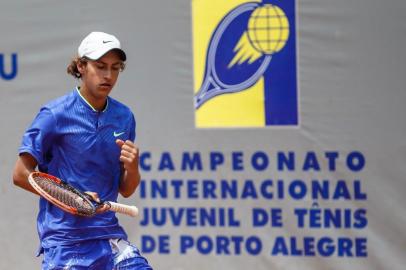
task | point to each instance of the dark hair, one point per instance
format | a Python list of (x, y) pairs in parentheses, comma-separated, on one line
[(72, 68)]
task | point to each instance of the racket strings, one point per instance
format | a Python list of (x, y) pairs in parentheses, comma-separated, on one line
[(66, 195)]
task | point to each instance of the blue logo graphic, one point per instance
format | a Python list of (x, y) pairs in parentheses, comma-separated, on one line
[(255, 40), (8, 73)]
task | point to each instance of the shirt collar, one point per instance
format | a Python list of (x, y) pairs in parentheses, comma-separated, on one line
[(90, 105)]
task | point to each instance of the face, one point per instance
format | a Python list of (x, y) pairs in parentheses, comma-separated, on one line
[(100, 76)]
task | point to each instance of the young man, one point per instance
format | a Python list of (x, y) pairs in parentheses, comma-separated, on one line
[(85, 138)]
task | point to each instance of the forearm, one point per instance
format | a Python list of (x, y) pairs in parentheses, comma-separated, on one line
[(24, 166), (129, 182)]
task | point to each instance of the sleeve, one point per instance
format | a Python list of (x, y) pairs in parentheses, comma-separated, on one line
[(39, 137), (132, 128)]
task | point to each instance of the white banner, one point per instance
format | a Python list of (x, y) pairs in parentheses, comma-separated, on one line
[(272, 133)]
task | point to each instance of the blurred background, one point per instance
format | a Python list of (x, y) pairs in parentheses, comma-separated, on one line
[(272, 133)]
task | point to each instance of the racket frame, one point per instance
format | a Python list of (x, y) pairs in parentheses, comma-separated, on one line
[(47, 196), (113, 206)]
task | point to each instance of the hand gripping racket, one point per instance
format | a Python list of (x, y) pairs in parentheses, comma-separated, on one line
[(70, 199)]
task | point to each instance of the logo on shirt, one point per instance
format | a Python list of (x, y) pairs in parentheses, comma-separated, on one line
[(245, 63), (115, 134)]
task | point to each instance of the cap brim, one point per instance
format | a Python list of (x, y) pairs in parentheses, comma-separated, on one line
[(121, 53), (98, 55)]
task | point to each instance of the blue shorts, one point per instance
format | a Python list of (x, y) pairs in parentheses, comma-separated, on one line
[(104, 254)]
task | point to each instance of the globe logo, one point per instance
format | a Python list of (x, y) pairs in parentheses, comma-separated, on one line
[(268, 29), (252, 48)]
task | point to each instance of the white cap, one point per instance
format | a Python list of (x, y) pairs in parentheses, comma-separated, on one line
[(97, 44)]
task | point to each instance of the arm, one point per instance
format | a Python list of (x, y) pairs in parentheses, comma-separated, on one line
[(37, 140), (130, 177), (24, 166)]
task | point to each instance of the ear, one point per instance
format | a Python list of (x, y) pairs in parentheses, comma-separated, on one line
[(81, 66)]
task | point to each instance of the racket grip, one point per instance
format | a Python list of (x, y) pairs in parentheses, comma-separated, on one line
[(129, 210)]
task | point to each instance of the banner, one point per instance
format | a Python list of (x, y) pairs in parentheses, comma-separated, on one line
[(271, 133)]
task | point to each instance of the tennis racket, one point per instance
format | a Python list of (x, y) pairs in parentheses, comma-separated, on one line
[(216, 79), (70, 199)]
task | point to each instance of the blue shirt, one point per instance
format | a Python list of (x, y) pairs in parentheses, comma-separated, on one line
[(71, 140)]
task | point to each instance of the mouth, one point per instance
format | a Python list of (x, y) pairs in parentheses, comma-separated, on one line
[(105, 85)]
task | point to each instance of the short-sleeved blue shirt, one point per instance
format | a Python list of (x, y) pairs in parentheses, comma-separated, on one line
[(71, 140)]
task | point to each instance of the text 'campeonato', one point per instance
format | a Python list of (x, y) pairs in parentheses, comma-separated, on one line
[(353, 161)]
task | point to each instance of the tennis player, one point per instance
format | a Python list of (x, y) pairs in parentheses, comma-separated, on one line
[(85, 138)]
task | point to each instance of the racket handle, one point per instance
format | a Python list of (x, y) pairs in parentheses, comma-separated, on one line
[(129, 210)]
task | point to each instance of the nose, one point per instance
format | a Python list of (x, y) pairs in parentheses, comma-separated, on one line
[(108, 74)]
